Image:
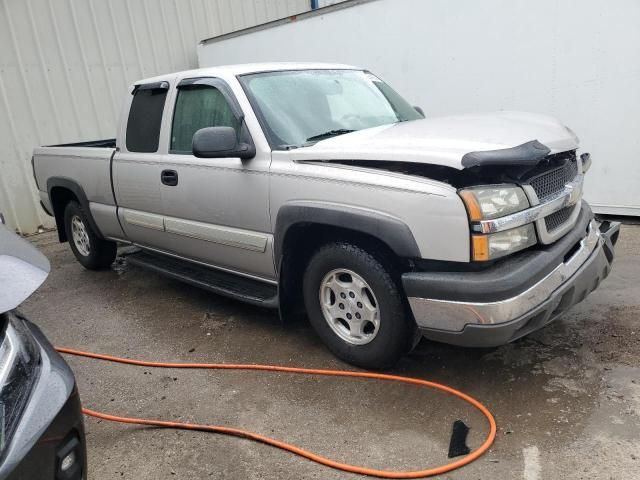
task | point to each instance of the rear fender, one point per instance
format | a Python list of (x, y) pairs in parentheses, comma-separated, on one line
[(58, 207)]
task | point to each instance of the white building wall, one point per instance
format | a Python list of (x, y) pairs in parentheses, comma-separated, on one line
[(65, 66), (326, 3), (576, 60)]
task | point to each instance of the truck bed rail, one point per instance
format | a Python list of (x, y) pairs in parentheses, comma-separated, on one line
[(106, 143)]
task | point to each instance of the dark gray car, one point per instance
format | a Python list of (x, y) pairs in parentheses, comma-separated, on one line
[(41, 424)]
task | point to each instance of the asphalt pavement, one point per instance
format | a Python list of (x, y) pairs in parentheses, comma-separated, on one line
[(566, 399)]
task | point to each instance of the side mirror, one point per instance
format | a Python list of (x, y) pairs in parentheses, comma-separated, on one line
[(220, 142), (420, 111)]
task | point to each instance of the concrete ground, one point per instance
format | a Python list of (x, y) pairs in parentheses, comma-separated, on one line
[(566, 399)]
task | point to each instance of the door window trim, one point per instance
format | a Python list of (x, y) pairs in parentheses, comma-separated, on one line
[(228, 95)]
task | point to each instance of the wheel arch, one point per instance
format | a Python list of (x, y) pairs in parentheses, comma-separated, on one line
[(389, 230), (303, 227), (61, 191)]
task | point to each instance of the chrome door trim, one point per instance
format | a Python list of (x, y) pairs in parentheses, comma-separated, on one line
[(143, 219), (219, 234), (233, 237)]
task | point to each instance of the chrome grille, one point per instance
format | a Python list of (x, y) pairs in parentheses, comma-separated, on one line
[(545, 185), (549, 184), (557, 219)]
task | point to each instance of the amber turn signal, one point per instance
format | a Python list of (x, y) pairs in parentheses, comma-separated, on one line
[(473, 207), (480, 247)]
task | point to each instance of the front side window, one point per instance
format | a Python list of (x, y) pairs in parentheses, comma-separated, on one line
[(198, 106), (145, 119), (300, 107)]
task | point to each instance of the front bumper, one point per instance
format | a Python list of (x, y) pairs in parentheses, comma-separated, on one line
[(523, 294), (51, 424)]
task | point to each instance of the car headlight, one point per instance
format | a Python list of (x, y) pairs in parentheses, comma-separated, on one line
[(489, 202), (496, 245), (493, 201), (19, 364)]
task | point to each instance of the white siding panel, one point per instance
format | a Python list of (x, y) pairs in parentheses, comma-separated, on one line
[(65, 66), (326, 3), (576, 60)]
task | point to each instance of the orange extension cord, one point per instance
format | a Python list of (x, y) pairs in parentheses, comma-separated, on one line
[(288, 447)]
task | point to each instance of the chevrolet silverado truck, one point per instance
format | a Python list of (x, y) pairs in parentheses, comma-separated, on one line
[(317, 189)]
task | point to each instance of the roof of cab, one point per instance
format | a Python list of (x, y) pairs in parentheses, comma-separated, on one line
[(245, 68)]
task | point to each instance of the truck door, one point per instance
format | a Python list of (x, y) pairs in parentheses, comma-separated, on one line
[(215, 209), (136, 168)]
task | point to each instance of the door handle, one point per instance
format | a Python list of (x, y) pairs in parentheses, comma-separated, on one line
[(169, 177)]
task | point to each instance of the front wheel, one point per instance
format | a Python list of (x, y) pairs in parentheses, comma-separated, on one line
[(90, 250), (356, 307)]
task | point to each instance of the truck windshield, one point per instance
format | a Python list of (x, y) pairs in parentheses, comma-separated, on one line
[(301, 107)]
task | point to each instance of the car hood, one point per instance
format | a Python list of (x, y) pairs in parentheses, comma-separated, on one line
[(22, 269), (444, 140)]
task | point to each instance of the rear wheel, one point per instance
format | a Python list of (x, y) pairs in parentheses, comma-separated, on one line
[(356, 307), (90, 250)]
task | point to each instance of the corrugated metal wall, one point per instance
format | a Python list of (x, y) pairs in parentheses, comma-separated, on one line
[(65, 66)]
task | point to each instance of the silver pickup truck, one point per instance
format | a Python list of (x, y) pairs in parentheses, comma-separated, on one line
[(317, 189)]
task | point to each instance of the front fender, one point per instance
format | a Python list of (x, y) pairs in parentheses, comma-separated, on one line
[(386, 228)]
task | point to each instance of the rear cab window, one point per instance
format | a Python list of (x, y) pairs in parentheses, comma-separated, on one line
[(145, 117)]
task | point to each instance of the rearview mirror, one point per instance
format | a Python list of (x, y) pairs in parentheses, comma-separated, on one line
[(220, 142), (420, 111)]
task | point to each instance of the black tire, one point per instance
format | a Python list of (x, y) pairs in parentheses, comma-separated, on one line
[(396, 330), (99, 253)]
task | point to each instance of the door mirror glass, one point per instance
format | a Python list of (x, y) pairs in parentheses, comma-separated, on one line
[(219, 142), (420, 111)]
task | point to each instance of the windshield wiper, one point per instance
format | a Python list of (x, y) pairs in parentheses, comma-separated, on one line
[(329, 134)]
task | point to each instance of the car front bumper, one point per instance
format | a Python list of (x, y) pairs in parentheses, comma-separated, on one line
[(501, 304), (51, 425)]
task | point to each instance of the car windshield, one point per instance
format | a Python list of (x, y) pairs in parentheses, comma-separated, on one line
[(300, 107)]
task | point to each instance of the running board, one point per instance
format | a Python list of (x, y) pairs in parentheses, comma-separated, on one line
[(216, 281)]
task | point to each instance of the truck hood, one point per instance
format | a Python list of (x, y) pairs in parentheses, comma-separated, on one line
[(22, 269), (444, 140)]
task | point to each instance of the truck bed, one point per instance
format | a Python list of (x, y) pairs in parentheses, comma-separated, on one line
[(82, 167)]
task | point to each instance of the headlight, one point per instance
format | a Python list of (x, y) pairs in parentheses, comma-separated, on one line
[(489, 202), (19, 363), (493, 201), (496, 245)]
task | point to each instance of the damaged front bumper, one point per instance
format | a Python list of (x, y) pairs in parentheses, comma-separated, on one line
[(520, 295)]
